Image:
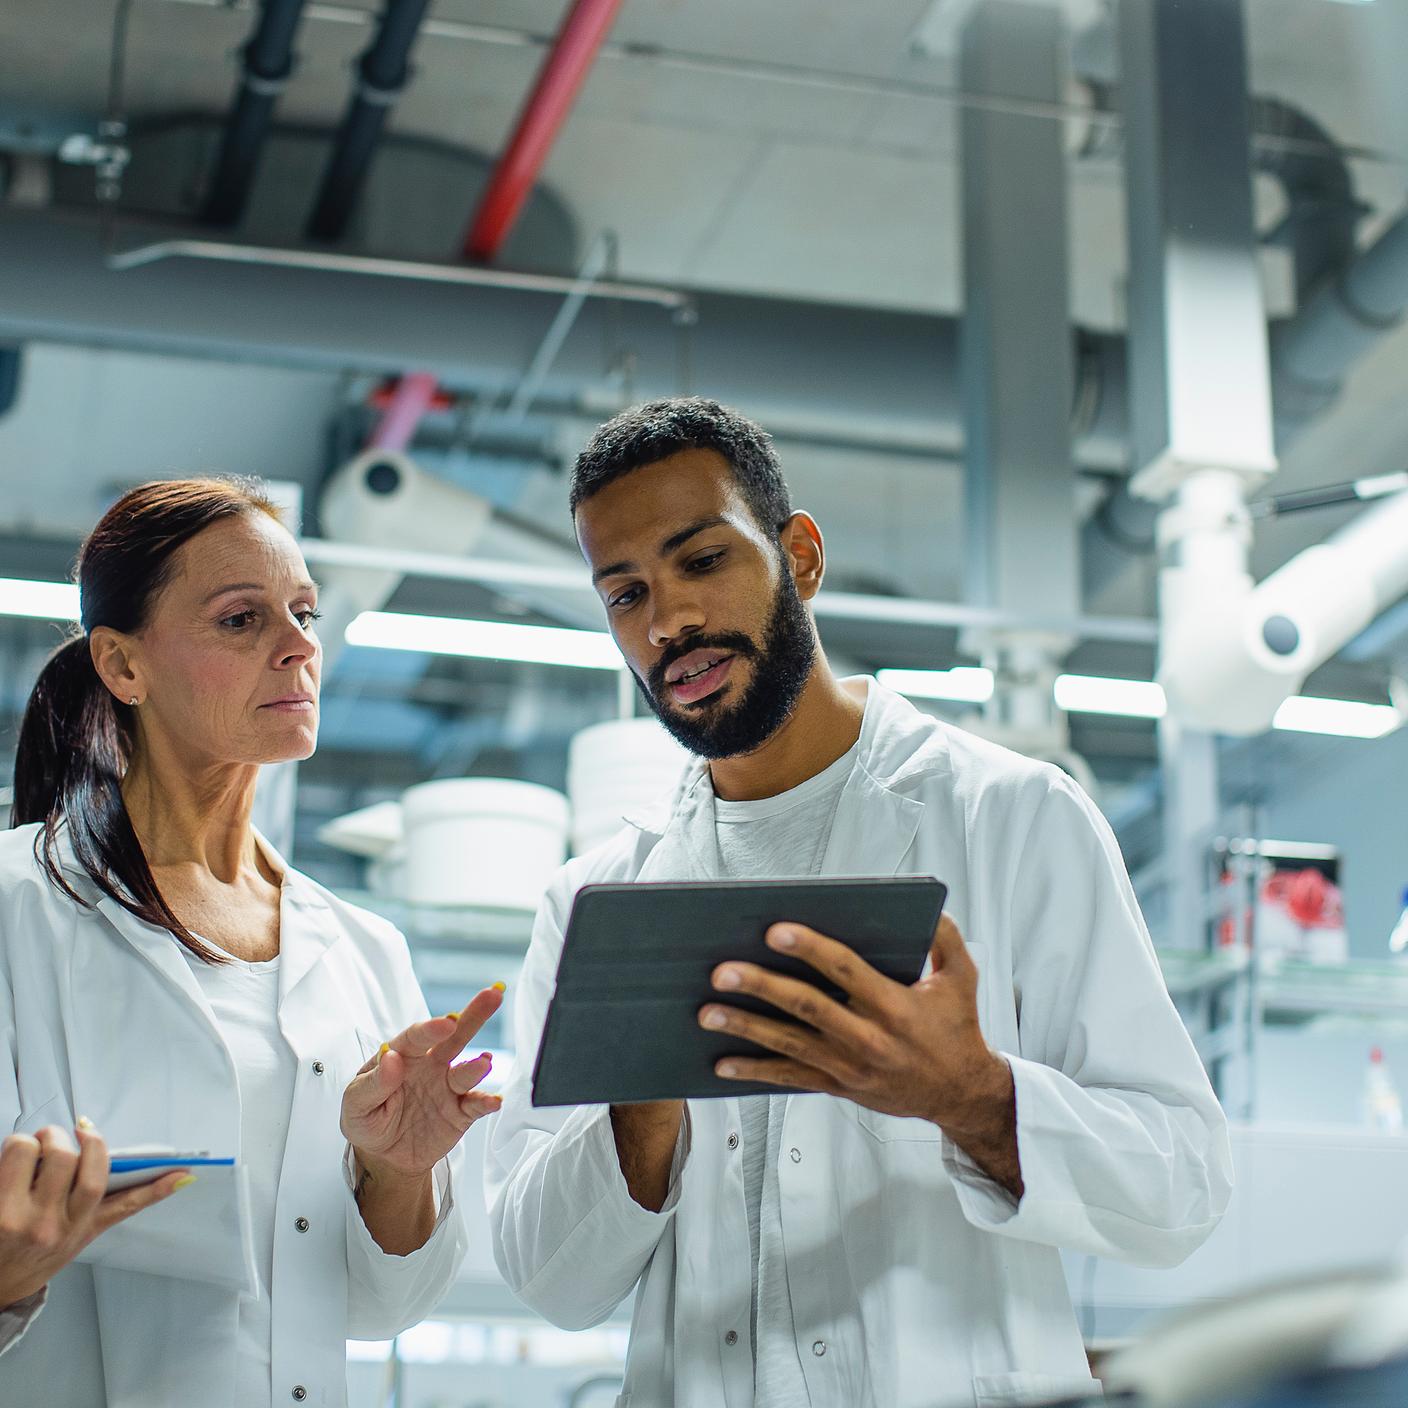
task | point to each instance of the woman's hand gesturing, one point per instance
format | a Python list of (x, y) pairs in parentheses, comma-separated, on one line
[(408, 1106), (52, 1204)]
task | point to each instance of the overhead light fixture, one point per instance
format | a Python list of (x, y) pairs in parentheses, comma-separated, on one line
[(43, 601), (1346, 718), (1144, 699), (964, 684), (485, 640), (1095, 694)]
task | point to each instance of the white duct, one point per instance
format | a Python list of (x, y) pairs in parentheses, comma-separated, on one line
[(1233, 652), (380, 498)]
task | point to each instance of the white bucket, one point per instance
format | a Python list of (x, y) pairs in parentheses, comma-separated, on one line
[(487, 842), (619, 769)]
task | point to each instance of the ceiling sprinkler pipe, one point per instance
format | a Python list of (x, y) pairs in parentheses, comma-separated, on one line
[(542, 118)]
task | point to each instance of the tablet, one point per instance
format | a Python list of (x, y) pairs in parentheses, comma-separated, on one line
[(636, 963)]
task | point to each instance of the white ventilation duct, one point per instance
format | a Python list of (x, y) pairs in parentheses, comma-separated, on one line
[(381, 498)]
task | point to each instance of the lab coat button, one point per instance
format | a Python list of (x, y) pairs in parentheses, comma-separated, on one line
[(318, 1068), (819, 1348), (731, 1337), (796, 1156), (733, 1141), (299, 1393), (301, 1224)]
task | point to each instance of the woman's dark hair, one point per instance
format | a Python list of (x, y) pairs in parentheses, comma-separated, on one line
[(76, 738), (658, 429)]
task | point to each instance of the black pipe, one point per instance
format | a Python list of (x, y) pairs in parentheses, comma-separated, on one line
[(382, 74), (266, 64)]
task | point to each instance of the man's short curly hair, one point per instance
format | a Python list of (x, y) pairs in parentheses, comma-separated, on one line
[(652, 432)]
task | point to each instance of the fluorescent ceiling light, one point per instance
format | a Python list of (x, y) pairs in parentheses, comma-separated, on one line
[(1348, 718), (964, 684), (1093, 694), (45, 601), (485, 640)]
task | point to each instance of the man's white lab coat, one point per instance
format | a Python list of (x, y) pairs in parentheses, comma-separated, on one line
[(914, 1280), (100, 1015)]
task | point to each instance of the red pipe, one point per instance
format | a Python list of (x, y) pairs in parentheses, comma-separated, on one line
[(558, 83)]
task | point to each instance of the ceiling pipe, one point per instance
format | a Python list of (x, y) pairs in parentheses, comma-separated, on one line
[(382, 74), (412, 398), (558, 83), (266, 64)]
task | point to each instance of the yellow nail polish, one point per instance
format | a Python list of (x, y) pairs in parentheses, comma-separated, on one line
[(84, 1122), (185, 1181), (500, 987), (385, 1047), (452, 1016)]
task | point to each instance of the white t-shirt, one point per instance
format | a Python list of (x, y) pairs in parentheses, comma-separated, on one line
[(776, 838), (245, 999)]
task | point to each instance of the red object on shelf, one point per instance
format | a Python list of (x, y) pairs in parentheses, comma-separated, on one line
[(382, 397), (558, 82)]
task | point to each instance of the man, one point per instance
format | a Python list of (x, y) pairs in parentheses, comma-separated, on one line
[(889, 1242)]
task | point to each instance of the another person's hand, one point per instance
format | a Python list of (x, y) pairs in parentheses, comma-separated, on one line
[(409, 1105), (53, 1204)]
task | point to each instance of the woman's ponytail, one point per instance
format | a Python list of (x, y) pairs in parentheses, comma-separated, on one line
[(68, 744)]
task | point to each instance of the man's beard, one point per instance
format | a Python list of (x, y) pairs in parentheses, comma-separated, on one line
[(782, 665)]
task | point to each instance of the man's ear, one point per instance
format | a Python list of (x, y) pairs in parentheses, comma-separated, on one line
[(806, 553), (113, 659)]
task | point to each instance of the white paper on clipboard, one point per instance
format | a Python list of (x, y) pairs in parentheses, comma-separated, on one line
[(200, 1233)]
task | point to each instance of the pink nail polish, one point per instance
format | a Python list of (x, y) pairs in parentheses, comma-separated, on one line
[(487, 1056)]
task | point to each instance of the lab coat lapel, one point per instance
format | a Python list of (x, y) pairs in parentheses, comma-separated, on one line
[(688, 848), (159, 948), (874, 827)]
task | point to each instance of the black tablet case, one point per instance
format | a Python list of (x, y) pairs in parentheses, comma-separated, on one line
[(636, 964)]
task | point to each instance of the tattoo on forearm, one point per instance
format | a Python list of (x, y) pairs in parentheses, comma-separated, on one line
[(363, 1178)]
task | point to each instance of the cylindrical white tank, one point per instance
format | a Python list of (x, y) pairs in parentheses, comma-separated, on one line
[(619, 769), (486, 842)]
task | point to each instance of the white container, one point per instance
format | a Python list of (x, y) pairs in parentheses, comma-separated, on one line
[(619, 769), (487, 842)]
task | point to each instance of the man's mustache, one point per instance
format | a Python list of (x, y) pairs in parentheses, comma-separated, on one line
[(734, 642)]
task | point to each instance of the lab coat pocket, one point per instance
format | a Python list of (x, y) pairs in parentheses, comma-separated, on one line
[(892, 1129), (1023, 1387), (52, 1111)]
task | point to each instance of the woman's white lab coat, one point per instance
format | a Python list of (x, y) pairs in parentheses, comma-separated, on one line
[(914, 1280), (100, 1015)]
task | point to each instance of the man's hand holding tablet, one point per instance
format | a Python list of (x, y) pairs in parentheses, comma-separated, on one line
[(912, 1050)]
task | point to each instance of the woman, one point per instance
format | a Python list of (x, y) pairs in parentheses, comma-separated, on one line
[(165, 978)]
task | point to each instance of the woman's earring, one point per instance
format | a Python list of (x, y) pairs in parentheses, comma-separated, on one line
[(133, 701)]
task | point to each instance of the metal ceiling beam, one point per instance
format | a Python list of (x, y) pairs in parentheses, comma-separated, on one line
[(543, 115), (852, 375)]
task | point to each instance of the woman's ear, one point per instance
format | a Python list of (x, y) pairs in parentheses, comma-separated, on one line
[(806, 552), (113, 659)]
